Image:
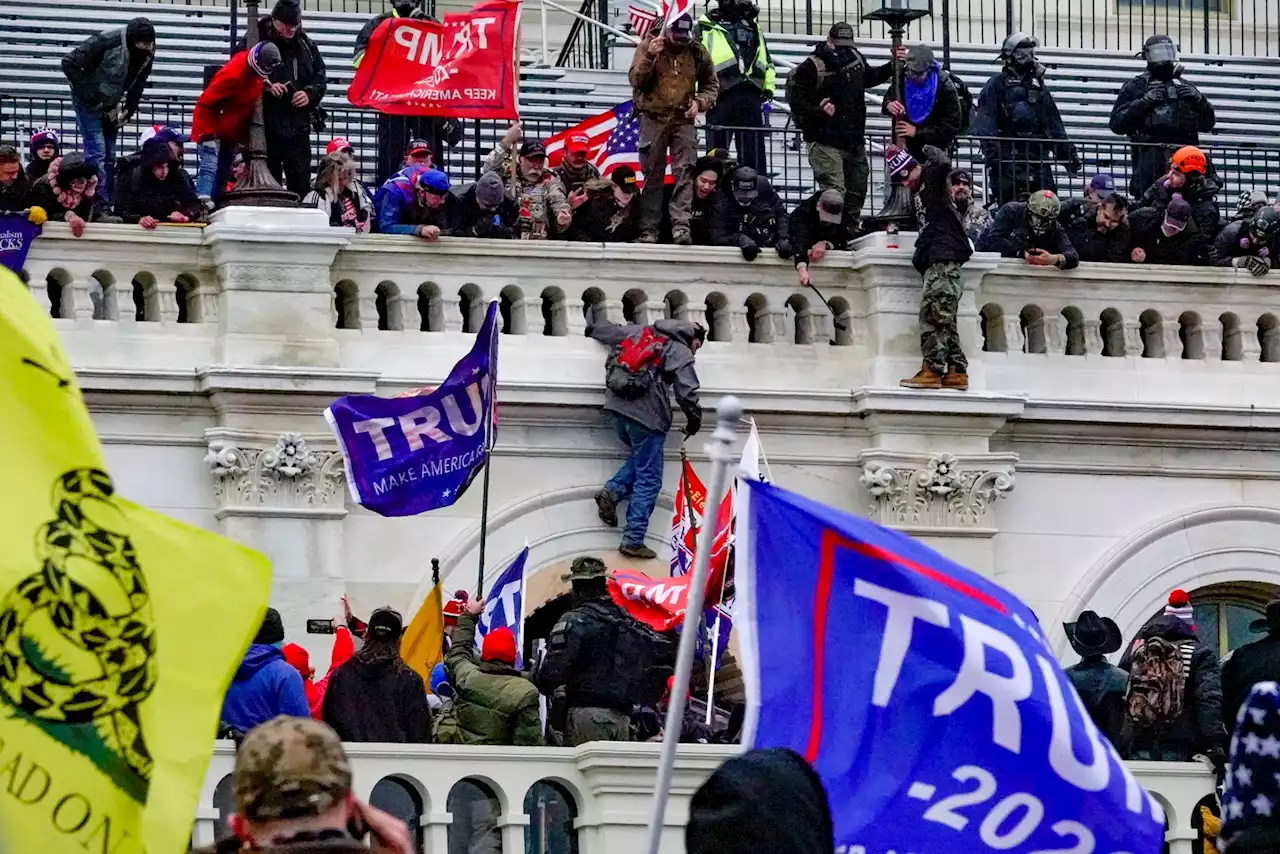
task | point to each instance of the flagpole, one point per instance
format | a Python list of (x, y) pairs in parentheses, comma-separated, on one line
[(524, 590), (489, 436), (728, 413), (711, 672), (688, 495)]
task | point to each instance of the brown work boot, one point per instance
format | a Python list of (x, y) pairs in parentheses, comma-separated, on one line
[(926, 378), (956, 380), (639, 551), (647, 237), (607, 508), (681, 237)]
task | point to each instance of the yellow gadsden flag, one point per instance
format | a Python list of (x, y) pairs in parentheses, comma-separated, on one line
[(119, 628), (422, 644)]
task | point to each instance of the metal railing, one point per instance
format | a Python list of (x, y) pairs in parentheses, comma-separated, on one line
[(1214, 27), (588, 44), (1236, 168)]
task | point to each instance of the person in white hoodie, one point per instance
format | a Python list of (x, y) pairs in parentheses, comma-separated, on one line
[(340, 194)]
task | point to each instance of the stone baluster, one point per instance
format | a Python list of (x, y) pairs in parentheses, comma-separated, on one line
[(367, 304), (530, 309), (1014, 340), (1093, 337), (450, 308), (1133, 345), (1170, 334), (575, 322), (410, 317), (695, 312), (650, 312), (1055, 335), (807, 326), (166, 292), (77, 298), (1211, 341), (1250, 343), (739, 328), (612, 309), (776, 322)]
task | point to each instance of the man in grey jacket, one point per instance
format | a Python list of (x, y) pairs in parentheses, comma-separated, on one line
[(645, 366)]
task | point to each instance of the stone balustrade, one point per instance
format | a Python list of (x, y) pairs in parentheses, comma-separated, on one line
[(538, 798), (249, 291)]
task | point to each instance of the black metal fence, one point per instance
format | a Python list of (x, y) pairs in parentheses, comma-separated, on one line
[(1235, 168)]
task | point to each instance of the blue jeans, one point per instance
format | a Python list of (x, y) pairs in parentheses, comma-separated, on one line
[(99, 146), (213, 167), (640, 479)]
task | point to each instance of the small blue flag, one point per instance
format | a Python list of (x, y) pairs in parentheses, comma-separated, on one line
[(924, 695), (408, 455), (504, 605), (16, 236)]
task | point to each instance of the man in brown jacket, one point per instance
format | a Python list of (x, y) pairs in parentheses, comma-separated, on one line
[(673, 81)]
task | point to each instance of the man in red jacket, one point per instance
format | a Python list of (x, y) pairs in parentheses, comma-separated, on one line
[(223, 113)]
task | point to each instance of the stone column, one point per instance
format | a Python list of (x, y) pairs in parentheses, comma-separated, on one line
[(275, 292)]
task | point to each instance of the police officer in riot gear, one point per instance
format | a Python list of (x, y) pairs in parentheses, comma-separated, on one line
[(744, 67), (1161, 109), (1017, 106)]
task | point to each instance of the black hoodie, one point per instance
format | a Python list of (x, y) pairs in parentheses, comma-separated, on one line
[(377, 700), (761, 801)]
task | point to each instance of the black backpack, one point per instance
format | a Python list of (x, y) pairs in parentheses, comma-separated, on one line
[(823, 73), (966, 101)]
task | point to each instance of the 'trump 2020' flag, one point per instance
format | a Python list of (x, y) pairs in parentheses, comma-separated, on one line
[(505, 604), (925, 696), (465, 68), (408, 455)]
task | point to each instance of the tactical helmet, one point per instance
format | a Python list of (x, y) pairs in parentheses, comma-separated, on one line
[(1189, 160), (1042, 209), (1159, 49), (1265, 224), (1017, 40)]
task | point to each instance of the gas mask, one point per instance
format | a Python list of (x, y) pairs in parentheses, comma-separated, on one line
[(1039, 224), (1162, 60), (1023, 59)]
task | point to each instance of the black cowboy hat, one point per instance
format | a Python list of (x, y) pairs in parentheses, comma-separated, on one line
[(1093, 635), (1269, 623)]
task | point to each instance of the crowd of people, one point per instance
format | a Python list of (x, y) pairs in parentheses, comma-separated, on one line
[(719, 65)]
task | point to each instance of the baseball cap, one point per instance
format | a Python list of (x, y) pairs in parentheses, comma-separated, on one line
[(584, 568), (290, 768), (533, 148), (919, 58), (841, 34), (577, 142), (339, 143), (1102, 182), (386, 622), (625, 177), (418, 146), (831, 207), (682, 28), (1178, 212), (960, 176), (164, 133), (745, 184)]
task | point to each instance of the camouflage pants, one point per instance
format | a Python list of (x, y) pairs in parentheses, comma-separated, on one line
[(939, 305), (595, 724)]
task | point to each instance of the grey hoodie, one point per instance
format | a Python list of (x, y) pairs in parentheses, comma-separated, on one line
[(653, 411)]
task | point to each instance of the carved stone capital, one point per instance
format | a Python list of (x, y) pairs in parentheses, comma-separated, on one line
[(253, 476), (942, 494)]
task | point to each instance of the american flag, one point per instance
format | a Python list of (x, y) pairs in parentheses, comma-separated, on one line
[(614, 137), (642, 19)]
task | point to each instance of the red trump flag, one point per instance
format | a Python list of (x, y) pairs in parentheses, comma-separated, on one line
[(464, 68)]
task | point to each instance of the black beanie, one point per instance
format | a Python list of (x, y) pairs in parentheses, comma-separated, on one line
[(140, 30), (763, 800), (272, 630), (287, 12)]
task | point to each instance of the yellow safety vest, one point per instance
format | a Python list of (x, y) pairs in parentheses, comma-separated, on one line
[(726, 63), (355, 63)]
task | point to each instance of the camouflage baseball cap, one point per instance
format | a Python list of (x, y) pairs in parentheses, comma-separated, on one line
[(585, 567), (289, 768)]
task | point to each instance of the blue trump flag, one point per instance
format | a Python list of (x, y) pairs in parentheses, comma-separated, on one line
[(505, 605), (924, 695), (408, 455)]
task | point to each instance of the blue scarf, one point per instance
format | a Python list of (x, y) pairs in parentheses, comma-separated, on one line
[(920, 96)]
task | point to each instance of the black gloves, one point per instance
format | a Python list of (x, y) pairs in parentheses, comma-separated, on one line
[(785, 249), (1254, 264), (748, 246), (1155, 93), (693, 421), (1073, 163)]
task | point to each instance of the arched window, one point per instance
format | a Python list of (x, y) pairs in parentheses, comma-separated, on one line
[(1225, 614), (552, 813), (402, 800), (475, 809)]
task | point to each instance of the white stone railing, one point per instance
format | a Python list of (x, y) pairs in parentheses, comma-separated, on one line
[(255, 292), (607, 786)]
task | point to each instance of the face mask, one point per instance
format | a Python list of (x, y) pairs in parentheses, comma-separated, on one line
[(1023, 58), (1160, 70), (1039, 225)]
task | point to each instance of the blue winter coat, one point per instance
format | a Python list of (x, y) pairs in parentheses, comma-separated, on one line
[(264, 687)]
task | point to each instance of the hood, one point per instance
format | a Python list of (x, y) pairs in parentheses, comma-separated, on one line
[(764, 800), (258, 657), (1169, 628), (373, 669), (684, 331)]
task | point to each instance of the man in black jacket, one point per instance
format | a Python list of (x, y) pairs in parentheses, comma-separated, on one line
[(375, 696), (607, 215), (1098, 232), (1192, 177), (816, 228), (1249, 244), (707, 173), (108, 73), (1101, 685), (1159, 112), (930, 114), (156, 192), (749, 214), (827, 94), (291, 100), (1030, 230), (485, 211), (1168, 236), (1252, 663), (1017, 107), (942, 247), (1198, 728), (15, 188)]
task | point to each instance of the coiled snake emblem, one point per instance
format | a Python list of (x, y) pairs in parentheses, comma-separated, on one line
[(77, 640)]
